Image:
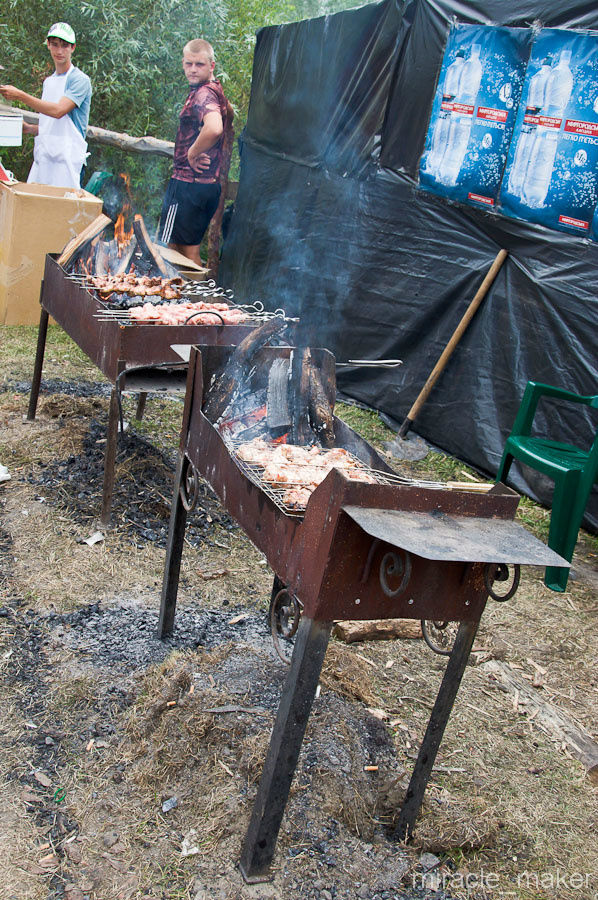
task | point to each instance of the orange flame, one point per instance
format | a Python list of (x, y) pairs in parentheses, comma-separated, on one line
[(122, 236)]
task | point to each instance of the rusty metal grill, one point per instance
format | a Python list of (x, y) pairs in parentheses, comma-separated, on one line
[(141, 358), (389, 549)]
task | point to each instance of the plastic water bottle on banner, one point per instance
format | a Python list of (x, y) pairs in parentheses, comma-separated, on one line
[(559, 87), (539, 169), (535, 104), (541, 164), (450, 90), (460, 127)]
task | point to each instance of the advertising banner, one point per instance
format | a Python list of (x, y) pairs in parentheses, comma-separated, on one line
[(551, 175), (474, 112)]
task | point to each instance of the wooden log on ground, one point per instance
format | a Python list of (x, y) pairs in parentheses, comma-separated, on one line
[(553, 721), (377, 630)]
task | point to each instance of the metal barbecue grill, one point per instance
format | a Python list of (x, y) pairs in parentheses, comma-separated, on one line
[(134, 356), (359, 551)]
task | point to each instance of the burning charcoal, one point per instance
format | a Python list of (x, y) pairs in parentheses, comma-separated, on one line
[(132, 302)]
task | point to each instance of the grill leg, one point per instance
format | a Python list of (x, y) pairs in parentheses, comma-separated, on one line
[(287, 735), (435, 730), (110, 459), (174, 553), (140, 405), (39, 362)]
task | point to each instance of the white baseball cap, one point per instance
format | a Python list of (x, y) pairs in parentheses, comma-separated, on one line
[(63, 31)]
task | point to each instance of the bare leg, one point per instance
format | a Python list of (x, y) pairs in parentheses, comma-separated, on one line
[(191, 251)]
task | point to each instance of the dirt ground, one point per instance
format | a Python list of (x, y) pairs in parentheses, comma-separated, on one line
[(129, 765)]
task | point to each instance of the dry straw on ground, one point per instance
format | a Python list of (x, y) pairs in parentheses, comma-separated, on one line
[(121, 739)]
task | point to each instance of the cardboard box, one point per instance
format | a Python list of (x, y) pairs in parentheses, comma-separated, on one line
[(35, 219)]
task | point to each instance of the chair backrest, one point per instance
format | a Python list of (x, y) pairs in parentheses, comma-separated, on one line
[(590, 470), (532, 395)]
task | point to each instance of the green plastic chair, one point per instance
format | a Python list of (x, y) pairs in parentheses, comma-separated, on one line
[(574, 472)]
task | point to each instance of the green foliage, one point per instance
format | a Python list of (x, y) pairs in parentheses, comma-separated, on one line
[(131, 50)]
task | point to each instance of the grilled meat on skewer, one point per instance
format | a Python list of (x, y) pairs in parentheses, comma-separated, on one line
[(200, 313), (139, 285)]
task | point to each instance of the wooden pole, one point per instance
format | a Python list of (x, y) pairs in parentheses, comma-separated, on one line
[(456, 337), (216, 223), (128, 143)]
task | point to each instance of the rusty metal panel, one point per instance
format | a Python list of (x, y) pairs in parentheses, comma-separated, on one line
[(368, 578), (438, 535), (73, 308)]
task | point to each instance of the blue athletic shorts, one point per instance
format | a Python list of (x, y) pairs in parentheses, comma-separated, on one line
[(186, 211)]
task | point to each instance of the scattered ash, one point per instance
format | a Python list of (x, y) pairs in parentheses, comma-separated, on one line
[(142, 491), (40, 742), (56, 386), (125, 636)]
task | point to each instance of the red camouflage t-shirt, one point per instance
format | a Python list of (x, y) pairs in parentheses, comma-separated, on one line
[(201, 99)]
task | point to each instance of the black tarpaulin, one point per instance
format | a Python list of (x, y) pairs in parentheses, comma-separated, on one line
[(331, 224)]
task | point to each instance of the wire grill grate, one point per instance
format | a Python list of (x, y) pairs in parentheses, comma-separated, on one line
[(278, 492)]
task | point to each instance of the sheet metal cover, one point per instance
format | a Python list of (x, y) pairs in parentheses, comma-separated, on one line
[(437, 535)]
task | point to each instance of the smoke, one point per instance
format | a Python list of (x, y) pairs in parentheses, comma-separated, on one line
[(148, 178)]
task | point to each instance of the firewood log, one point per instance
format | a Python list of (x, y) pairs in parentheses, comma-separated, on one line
[(234, 373), (145, 244), (300, 432), (320, 411), (75, 245)]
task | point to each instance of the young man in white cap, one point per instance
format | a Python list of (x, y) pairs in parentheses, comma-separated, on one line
[(60, 148)]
